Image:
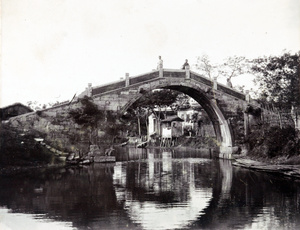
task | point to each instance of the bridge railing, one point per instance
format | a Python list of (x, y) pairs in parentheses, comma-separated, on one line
[(124, 83), (166, 73)]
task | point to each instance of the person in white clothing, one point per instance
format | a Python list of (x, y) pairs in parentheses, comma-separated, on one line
[(160, 63)]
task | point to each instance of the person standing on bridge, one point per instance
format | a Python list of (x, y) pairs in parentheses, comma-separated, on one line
[(186, 65), (160, 63)]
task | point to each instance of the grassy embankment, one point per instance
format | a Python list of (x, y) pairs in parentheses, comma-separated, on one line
[(274, 145), (19, 150)]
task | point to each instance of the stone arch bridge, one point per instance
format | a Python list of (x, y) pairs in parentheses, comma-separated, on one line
[(226, 107), (223, 105)]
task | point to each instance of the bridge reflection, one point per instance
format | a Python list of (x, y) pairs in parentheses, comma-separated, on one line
[(168, 193), (153, 189)]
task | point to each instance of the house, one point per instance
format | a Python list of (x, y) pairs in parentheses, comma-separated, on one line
[(190, 118), (14, 110), (171, 127), (194, 121)]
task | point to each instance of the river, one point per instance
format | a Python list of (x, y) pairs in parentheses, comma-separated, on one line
[(150, 189)]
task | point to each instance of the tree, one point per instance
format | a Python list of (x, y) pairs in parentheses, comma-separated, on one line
[(278, 79), (181, 102), (150, 102), (88, 115), (205, 67), (231, 67)]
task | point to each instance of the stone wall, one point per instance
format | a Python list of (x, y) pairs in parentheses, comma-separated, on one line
[(56, 127)]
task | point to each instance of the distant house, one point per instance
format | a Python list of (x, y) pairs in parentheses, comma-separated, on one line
[(154, 122), (14, 110), (171, 127), (192, 120), (190, 117)]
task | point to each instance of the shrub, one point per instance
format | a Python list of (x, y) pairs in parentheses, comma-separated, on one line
[(18, 149), (273, 141)]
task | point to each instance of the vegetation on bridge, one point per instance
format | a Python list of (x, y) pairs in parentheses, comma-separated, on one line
[(92, 119)]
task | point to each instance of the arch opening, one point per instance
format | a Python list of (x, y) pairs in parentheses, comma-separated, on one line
[(221, 127)]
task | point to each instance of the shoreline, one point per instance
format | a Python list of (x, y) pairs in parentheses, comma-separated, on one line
[(286, 170), (11, 170)]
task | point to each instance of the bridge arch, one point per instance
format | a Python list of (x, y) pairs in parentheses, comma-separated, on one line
[(204, 98)]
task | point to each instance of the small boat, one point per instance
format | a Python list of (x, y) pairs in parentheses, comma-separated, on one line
[(142, 145), (104, 159), (72, 159), (72, 162), (124, 143), (85, 162)]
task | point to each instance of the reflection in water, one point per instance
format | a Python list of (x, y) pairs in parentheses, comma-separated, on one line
[(28, 222), (170, 197), (150, 189), (226, 169)]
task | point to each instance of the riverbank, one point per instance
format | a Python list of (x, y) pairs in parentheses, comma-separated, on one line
[(23, 151), (280, 169), (272, 150)]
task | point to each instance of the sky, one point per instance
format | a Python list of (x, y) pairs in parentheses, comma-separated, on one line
[(51, 50)]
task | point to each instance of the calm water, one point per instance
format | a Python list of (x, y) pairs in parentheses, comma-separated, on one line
[(150, 189)]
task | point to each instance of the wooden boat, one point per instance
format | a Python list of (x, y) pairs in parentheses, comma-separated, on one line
[(142, 145), (76, 160), (85, 162), (104, 159), (124, 144), (72, 162)]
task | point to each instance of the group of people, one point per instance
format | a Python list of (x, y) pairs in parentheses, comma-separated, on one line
[(160, 63)]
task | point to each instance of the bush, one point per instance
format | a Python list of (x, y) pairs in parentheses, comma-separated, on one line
[(18, 149), (274, 141)]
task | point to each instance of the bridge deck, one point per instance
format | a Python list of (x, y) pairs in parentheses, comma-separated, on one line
[(167, 73)]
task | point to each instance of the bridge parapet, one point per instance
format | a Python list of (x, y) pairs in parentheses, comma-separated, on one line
[(166, 73)]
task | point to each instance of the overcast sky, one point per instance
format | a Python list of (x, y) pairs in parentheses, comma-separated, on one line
[(51, 49)]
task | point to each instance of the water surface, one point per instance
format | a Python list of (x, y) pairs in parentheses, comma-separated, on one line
[(150, 189)]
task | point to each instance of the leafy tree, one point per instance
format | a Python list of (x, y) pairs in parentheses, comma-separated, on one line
[(113, 125), (278, 79), (156, 99), (151, 101), (181, 102), (88, 115)]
